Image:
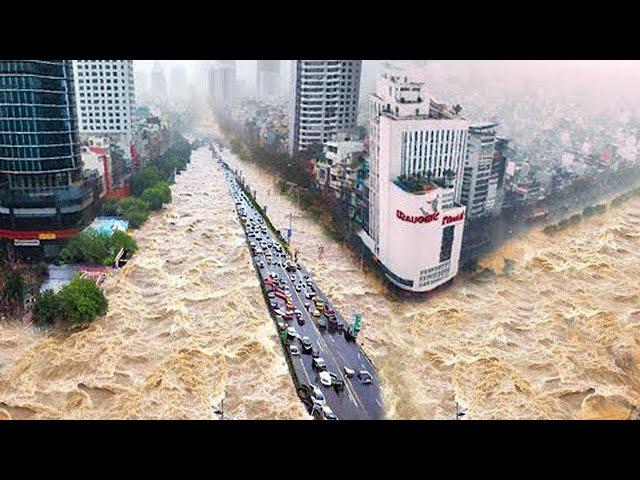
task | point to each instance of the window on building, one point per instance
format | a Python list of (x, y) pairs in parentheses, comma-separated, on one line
[(447, 243)]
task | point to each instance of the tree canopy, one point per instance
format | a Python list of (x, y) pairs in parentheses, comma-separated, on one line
[(157, 195), (13, 289), (47, 308), (134, 210), (82, 300), (98, 248), (145, 178)]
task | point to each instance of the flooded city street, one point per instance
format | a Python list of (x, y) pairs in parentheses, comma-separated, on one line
[(226, 310), (558, 338), (187, 327)]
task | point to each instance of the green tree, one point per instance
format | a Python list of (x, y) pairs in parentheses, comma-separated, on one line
[(145, 178), (47, 307), (134, 210), (82, 300), (157, 195), (13, 290), (89, 246), (121, 240)]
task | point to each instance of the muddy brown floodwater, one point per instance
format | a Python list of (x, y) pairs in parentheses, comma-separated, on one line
[(557, 338), (187, 326)]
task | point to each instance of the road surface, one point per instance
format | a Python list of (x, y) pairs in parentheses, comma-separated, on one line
[(357, 400)]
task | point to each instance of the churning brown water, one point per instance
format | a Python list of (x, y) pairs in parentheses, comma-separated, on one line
[(187, 326), (557, 338)]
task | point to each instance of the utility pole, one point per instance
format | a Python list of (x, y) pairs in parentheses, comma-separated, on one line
[(460, 413), (219, 411)]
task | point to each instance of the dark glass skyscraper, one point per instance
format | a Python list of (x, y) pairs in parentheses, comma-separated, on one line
[(44, 196)]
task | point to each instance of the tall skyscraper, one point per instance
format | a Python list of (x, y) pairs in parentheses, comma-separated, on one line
[(498, 172), (417, 148), (222, 80), (158, 83), (482, 180), (105, 93), (44, 196), (268, 78), (324, 100), (478, 190)]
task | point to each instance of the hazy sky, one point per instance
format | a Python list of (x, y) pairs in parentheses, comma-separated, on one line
[(245, 69), (590, 74), (597, 86)]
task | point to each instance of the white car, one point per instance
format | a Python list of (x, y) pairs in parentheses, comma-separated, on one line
[(327, 413), (317, 396), (292, 332), (325, 379)]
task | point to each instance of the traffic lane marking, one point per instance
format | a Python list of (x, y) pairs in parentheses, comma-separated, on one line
[(350, 393)]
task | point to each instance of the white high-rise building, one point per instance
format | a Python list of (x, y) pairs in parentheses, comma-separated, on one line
[(417, 149), (222, 80), (105, 96), (482, 181), (324, 100)]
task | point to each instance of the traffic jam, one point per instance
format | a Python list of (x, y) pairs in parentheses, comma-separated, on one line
[(337, 380)]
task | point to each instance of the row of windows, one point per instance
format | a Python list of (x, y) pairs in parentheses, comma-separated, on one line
[(107, 82), (104, 128), (95, 74), (104, 112), (38, 152), (32, 97), (21, 82), (32, 125), (94, 64), (100, 121), (437, 268), (30, 139), (35, 67), (30, 111), (434, 274), (98, 82), (42, 165), (104, 106), (432, 150)]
